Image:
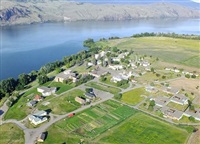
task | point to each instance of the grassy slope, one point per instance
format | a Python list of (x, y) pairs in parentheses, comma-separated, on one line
[(180, 51), (11, 134), (142, 128)]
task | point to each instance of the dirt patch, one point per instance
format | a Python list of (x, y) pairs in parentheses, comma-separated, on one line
[(195, 137), (187, 84)]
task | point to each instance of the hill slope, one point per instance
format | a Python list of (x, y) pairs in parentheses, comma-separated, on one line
[(34, 12)]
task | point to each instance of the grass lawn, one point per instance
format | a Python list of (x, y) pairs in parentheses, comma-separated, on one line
[(134, 96), (61, 87), (102, 87), (143, 129), (64, 103), (89, 123), (11, 134), (177, 106)]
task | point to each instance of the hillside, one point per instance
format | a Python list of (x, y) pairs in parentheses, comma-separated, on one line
[(12, 13)]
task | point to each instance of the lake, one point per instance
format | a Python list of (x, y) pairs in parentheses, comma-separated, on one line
[(27, 47)]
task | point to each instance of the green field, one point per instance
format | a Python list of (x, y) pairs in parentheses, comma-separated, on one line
[(103, 87), (89, 123), (143, 129), (64, 103), (11, 134), (134, 96), (180, 51)]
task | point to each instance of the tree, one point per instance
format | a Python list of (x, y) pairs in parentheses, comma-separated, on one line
[(193, 76), (8, 86), (89, 90), (42, 79), (103, 78), (152, 70), (191, 118), (187, 76), (118, 96), (24, 79), (152, 103)]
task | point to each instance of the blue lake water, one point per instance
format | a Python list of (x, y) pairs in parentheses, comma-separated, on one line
[(28, 47)]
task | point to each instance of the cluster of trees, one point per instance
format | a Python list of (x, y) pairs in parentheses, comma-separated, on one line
[(151, 105), (122, 82), (173, 35), (84, 79), (118, 96)]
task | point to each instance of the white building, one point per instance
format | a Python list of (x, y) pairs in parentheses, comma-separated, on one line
[(38, 117), (116, 67), (46, 91)]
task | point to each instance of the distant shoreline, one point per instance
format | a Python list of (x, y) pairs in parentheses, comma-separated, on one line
[(15, 13)]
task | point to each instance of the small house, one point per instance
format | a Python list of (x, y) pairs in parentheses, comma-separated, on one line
[(80, 100), (38, 98), (32, 103), (67, 74), (90, 95), (46, 91), (42, 137)]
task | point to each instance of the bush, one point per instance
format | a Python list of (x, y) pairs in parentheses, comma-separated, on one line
[(192, 119), (187, 76), (118, 96)]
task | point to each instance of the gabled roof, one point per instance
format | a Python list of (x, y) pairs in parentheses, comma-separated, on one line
[(90, 95), (37, 97)]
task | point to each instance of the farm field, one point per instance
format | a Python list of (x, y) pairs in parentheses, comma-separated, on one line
[(141, 128), (11, 134), (90, 123), (134, 96), (174, 50), (64, 103), (102, 87)]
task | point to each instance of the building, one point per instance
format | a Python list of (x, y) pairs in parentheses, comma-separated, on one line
[(38, 98), (179, 99), (80, 100), (161, 101), (150, 89), (46, 91), (194, 113), (42, 137), (116, 79), (90, 95), (38, 117), (98, 72), (67, 74), (170, 90), (31, 103), (116, 67), (171, 113)]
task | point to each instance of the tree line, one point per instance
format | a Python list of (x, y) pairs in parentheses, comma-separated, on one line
[(172, 35)]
